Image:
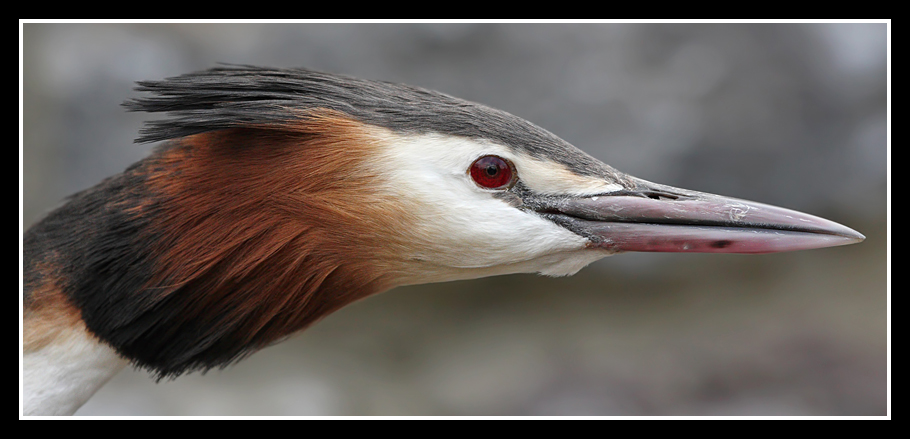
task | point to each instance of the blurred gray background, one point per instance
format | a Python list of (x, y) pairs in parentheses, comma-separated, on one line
[(786, 114)]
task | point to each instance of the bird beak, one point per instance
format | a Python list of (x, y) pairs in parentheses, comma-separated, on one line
[(658, 218)]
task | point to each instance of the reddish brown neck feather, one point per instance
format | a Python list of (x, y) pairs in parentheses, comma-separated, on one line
[(270, 230), (221, 243)]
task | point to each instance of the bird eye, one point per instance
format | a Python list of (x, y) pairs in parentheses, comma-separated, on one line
[(492, 172)]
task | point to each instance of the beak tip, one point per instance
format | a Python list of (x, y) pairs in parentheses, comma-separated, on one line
[(854, 237), (844, 234)]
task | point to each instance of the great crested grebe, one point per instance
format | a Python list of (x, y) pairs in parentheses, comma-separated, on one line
[(281, 195)]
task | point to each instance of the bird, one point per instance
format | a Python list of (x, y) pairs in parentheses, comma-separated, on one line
[(276, 196)]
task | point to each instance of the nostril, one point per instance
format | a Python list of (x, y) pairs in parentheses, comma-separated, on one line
[(660, 195)]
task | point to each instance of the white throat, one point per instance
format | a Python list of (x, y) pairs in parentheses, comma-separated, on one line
[(62, 375)]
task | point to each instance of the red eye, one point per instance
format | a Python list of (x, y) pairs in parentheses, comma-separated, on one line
[(491, 172)]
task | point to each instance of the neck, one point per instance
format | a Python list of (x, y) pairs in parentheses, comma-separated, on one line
[(203, 253), (63, 363), (62, 371)]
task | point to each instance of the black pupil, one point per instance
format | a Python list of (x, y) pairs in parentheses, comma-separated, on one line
[(492, 170)]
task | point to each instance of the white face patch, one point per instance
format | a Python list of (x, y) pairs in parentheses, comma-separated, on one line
[(464, 231)]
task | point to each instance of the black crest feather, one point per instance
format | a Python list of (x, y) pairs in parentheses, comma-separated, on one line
[(233, 96)]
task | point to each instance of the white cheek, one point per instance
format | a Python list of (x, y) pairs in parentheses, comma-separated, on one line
[(485, 231), (459, 224)]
